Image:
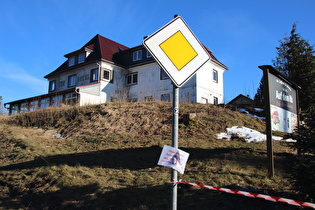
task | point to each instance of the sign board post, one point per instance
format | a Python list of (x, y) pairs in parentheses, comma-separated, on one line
[(177, 50), (175, 143), (281, 107)]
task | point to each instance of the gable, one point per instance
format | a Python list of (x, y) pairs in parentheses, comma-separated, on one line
[(241, 100), (98, 48)]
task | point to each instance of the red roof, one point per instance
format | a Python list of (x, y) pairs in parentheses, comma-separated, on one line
[(109, 47), (213, 57), (101, 47)]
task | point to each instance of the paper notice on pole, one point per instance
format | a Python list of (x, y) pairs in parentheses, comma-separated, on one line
[(173, 158)]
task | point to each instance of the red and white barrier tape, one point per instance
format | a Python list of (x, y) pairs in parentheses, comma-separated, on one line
[(249, 194)]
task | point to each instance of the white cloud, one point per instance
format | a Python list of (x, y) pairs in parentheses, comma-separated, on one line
[(19, 76)]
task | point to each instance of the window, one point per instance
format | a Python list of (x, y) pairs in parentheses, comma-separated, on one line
[(81, 58), (33, 105), (94, 75), (108, 75), (14, 109), (148, 98), (165, 97), (56, 100), (132, 79), (215, 101), (163, 74), (137, 55), (71, 61), (149, 54), (24, 107), (52, 85), (133, 100), (71, 98), (44, 103), (204, 100), (72, 80), (62, 83), (215, 76)]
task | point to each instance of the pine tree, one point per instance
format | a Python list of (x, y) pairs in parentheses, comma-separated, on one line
[(259, 96), (296, 60)]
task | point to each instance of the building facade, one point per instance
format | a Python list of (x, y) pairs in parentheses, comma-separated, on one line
[(104, 70)]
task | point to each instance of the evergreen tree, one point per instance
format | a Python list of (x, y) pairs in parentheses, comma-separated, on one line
[(296, 61), (259, 96)]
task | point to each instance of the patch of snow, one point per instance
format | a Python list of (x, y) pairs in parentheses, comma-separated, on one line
[(57, 135), (250, 135)]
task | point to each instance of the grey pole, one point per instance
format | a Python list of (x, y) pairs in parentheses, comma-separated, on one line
[(175, 143)]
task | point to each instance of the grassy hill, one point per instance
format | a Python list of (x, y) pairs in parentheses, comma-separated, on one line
[(107, 159)]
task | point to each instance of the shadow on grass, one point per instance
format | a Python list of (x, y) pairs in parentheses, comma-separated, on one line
[(157, 197), (131, 158)]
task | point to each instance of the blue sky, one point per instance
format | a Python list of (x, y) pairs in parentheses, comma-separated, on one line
[(36, 34)]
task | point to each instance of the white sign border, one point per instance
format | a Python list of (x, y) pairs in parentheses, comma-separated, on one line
[(152, 44)]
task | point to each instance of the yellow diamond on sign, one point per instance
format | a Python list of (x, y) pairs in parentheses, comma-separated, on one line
[(178, 50)]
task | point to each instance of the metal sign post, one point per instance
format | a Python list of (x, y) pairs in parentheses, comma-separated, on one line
[(174, 144), (178, 51)]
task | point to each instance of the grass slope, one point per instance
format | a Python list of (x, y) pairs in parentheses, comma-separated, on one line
[(107, 159)]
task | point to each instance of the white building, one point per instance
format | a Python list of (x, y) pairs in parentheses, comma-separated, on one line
[(104, 70)]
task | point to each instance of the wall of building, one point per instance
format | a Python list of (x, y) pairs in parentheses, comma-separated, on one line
[(82, 77), (149, 83), (104, 90), (117, 89), (207, 88)]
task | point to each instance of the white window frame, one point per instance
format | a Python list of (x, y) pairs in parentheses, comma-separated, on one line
[(132, 78), (108, 75), (137, 55)]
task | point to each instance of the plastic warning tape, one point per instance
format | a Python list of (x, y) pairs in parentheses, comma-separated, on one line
[(249, 194)]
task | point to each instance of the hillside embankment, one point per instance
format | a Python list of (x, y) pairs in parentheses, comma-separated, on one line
[(108, 153)]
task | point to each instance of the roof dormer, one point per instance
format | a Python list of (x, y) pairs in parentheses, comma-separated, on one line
[(79, 56)]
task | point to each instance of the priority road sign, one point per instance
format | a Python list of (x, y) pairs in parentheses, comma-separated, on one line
[(177, 50)]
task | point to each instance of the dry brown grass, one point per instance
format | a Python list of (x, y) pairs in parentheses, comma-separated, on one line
[(109, 154)]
